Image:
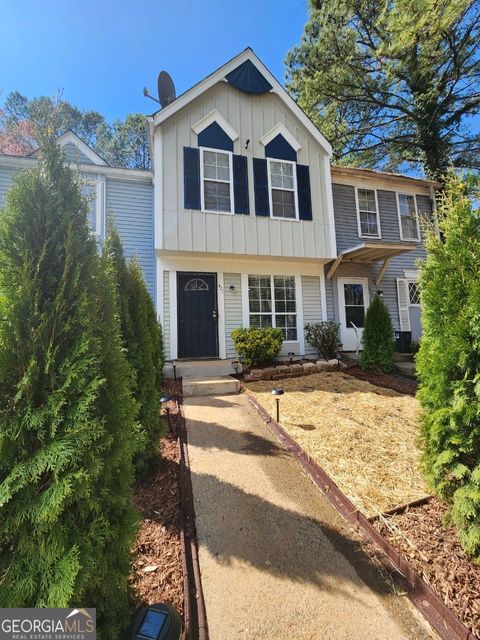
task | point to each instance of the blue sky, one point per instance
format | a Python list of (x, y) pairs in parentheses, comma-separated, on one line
[(102, 53)]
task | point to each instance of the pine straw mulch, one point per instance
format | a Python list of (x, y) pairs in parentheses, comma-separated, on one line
[(433, 549), (157, 573), (364, 436)]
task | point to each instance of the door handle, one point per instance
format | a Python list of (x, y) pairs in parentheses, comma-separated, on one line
[(214, 314)]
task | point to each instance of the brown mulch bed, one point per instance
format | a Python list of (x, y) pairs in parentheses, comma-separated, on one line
[(157, 573), (383, 380), (433, 549)]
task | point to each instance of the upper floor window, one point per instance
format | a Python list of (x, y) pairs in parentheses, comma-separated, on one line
[(91, 191), (408, 217), (283, 189), (216, 180), (367, 212)]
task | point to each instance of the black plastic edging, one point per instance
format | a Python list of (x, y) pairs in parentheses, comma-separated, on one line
[(442, 619)]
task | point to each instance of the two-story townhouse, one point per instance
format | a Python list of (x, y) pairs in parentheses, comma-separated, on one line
[(243, 212), (250, 231), (123, 197), (244, 222)]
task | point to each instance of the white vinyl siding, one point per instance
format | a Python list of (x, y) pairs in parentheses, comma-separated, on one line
[(166, 312), (233, 309), (312, 306)]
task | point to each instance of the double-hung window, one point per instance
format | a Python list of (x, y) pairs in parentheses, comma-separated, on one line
[(91, 191), (367, 211), (282, 181), (408, 218), (272, 303), (216, 181)]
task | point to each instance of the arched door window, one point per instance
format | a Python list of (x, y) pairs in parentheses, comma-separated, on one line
[(196, 284)]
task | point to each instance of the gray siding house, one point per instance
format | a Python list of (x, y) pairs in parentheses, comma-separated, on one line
[(244, 222)]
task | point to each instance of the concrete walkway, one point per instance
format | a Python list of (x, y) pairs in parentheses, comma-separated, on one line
[(277, 561)]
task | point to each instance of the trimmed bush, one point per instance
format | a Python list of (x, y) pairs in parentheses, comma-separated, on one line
[(257, 346), (68, 420), (323, 336), (143, 342), (378, 339), (448, 362)]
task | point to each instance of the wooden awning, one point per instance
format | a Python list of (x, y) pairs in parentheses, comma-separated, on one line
[(370, 252)]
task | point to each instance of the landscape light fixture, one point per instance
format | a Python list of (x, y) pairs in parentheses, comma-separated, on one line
[(277, 392), (156, 622), (380, 294), (290, 355), (235, 364), (164, 400), (174, 365)]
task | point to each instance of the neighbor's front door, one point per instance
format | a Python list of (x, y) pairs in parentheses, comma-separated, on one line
[(353, 303), (197, 315)]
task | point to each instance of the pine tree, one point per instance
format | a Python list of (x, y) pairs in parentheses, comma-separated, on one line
[(67, 417), (448, 361), (378, 344), (143, 342)]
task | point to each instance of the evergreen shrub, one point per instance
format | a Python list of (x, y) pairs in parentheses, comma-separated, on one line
[(378, 339), (257, 346)]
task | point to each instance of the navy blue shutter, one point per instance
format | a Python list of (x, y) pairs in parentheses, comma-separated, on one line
[(240, 184), (304, 194), (260, 183), (191, 177)]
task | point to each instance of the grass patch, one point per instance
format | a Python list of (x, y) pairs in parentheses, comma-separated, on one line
[(364, 436)]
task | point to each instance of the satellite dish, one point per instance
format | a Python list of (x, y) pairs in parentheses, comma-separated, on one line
[(166, 89)]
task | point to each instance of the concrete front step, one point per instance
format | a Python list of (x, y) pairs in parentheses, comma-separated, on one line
[(220, 386), (403, 357)]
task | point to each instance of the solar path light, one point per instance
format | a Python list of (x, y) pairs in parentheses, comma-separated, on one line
[(290, 355), (277, 392), (235, 364), (164, 400), (156, 622)]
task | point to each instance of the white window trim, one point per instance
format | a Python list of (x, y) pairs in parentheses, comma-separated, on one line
[(99, 205), (359, 226), (418, 238), (202, 189), (295, 190), (273, 311), (411, 281)]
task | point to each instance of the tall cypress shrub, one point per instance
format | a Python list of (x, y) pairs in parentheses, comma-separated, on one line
[(378, 344), (143, 342), (67, 417), (448, 361)]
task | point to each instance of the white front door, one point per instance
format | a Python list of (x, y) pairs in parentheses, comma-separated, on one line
[(353, 301)]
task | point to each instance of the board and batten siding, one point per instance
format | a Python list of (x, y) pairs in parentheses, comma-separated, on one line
[(312, 306), (233, 309), (347, 237), (251, 116), (166, 312), (129, 206)]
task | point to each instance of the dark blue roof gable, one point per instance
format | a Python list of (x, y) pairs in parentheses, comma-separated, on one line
[(248, 78), (279, 148), (215, 137)]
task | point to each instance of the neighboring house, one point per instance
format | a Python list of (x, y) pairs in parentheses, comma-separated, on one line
[(240, 225), (121, 196)]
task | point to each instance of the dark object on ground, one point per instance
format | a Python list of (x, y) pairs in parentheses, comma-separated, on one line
[(158, 622)]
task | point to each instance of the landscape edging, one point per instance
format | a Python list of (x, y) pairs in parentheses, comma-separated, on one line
[(196, 627), (441, 618)]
